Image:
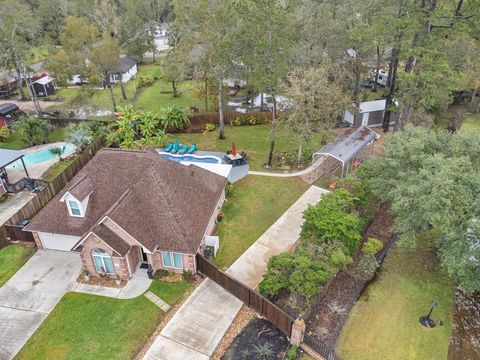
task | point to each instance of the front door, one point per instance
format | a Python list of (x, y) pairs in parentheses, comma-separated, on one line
[(144, 255)]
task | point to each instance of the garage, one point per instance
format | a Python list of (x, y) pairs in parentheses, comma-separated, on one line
[(58, 241)]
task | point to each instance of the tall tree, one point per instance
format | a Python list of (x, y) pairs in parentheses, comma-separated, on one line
[(267, 42), (209, 39)]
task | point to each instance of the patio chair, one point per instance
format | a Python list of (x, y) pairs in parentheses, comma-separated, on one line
[(175, 148), (169, 147), (183, 150), (192, 149)]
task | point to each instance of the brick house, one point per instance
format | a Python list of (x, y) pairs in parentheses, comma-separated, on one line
[(130, 208)]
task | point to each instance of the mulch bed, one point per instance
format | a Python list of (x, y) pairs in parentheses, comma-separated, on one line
[(257, 333), (106, 281), (329, 310)]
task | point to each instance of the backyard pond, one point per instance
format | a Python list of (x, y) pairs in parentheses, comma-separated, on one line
[(465, 341)]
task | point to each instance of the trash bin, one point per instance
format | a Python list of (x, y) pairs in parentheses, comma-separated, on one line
[(150, 272)]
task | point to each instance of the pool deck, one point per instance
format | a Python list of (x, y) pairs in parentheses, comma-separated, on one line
[(35, 170)]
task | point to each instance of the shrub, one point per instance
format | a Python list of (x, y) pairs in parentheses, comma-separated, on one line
[(36, 131), (79, 135), (372, 246), (160, 274), (145, 81), (228, 189), (210, 127), (244, 119), (366, 267), (292, 353), (187, 276), (174, 118), (4, 134)]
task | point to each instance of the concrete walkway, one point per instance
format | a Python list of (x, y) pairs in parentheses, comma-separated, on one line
[(136, 286), (29, 296), (198, 326), (12, 205), (309, 169)]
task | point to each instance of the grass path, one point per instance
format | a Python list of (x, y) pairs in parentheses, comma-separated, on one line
[(255, 204), (384, 322)]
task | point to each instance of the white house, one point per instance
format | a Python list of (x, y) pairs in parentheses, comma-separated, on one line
[(128, 69)]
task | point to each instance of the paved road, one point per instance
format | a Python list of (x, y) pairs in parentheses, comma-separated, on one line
[(29, 296), (198, 326)]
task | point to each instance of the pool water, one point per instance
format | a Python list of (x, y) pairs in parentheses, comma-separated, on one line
[(40, 156), (192, 158)]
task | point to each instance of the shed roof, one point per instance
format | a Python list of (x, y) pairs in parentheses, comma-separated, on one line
[(347, 145), (44, 80), (9, 156), (375, 105), (7, 107)]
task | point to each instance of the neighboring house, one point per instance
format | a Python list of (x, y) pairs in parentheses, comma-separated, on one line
[(129, 208), (45, 86), (370, 114), (128, 69)]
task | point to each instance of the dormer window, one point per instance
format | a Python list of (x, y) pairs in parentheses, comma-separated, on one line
[(74, 208)]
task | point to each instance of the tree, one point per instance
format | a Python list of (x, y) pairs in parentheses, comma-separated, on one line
[(35, 130), (431, 180), (79, 135), (106, 61), (173, 68), (210, 39), (268, 36), (317, 102), (57, 150)]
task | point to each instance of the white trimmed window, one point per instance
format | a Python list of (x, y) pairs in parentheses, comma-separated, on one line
[(172, 260), (103, 262), (74, 208)]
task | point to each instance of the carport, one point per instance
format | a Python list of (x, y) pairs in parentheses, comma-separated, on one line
[(349, 149)]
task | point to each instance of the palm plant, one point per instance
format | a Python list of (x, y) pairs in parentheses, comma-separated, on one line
[(127, 114), (57, 150), (174, 118), (79, 135), (148, 124), (159, 138), (34, 129), (263, 351)]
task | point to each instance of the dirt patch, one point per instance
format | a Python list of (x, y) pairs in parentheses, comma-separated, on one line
[(329, 310), (258, 336)]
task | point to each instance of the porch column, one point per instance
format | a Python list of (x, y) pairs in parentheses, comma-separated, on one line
[(24, 167)]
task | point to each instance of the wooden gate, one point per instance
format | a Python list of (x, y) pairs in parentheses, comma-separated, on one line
[(249, 297)]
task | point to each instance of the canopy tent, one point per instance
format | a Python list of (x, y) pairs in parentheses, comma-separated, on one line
[(349, 148)]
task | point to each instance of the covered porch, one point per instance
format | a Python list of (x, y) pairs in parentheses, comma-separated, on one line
[(12, 180)]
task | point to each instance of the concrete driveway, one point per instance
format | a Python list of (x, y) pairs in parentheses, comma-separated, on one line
[(198, 326), (29, 296)]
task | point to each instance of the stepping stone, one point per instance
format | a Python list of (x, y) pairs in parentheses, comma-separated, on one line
[(157, 301)]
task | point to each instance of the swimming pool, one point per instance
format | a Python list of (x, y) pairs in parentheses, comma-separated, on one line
[(41, 156), (192, 158)]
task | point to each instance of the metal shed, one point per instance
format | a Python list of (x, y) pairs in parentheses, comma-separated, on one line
[(354, 145)]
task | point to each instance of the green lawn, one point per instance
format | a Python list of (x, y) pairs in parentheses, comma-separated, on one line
[(254, 140), (93, 327), (384, 322), (255, 204), (56, 169), (16, 140), (12, 258), (169, 292)]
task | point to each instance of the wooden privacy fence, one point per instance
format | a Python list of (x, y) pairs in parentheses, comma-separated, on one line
[(30, 209), (198, 119), (250, 297)]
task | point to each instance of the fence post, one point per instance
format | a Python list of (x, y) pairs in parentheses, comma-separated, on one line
[(298, 330)]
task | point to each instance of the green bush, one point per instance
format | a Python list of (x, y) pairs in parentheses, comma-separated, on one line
[(187, 276), (160, 274), (174, 118), (252, 119), (144, 82), (210, 127), (366, 267), (372, 246), (292, 353)]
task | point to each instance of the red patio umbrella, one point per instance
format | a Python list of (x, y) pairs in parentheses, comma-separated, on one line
[(234, 149)]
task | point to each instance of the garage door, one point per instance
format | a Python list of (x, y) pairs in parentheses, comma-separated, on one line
[(58, 241)]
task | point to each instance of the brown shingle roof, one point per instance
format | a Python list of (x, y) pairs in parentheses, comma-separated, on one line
[(111, 239), (157, 201), (82, 188)]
